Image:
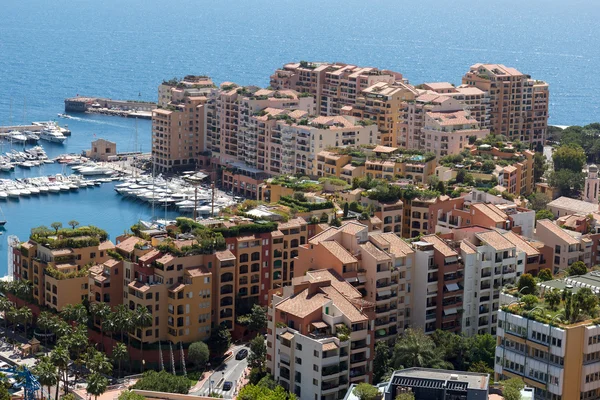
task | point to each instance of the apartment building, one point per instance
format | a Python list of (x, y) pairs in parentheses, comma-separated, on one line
[(519, 104), (58, 269), (479, 208), (333, 85), (474, 100), (189, 86), (106, 283), (558, 359), (377, 265), (331, 164), (391, 163), (415, 112), (384, 104), (567, 206), (439, 281), (448, 132), (565, 246), (320, 336), (178, 134), (517, 178)]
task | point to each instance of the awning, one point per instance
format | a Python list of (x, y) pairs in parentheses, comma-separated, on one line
[(384, 293), (351, 279), (452, 287), (287, 336), (319, 325), (450, 311), (329, 346), (452, 259), (362, 278)]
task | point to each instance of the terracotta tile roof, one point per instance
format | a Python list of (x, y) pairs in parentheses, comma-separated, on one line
[(182, 243), (452, 118), (303, 304), (384, 149), (327, 234), (398, 247), (521, 244), (509, 169), (165, 259), (329, 346), (377, 254), (106, 245), (27, 245), (225, 255), (556, 230), (352, 227), (142, 287), (176, 287), (111, 263), (344, 305), (61, 252), (149, 255), (491, 211), (495, 240), (128, 244), (292, 223), (440, 245), (337, 282), (339, 252), (574, 205), (466, 248), (276, 234)]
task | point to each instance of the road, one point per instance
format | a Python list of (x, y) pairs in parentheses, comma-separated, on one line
[(231, 370)]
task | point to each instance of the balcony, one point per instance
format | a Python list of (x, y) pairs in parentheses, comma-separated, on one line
[(330, 370)]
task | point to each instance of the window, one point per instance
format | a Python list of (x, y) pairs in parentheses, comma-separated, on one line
[(298, 361), (298, 346), (315, 368), (316, 353)]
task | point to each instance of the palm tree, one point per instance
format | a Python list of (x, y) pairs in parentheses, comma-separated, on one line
[(13, 315), (45, 321), (60, 358), (25, 315), (142, 319), (5, 306), (74, 312), (98, 363), (45, 371), (100, 311), (416, 349), (119, 354), (97, 385)]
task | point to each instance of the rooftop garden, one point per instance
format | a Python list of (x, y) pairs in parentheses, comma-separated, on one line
[(554, 306), (300, 204), (383, 191), (302, 184), (57, 274), (63, 238), (332, 180)]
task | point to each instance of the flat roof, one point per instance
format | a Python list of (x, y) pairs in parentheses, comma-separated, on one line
[(577, 206), (456, 380)]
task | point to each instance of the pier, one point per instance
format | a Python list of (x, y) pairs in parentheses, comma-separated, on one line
[(121, 108)]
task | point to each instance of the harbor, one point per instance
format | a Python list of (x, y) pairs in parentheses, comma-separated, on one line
[(120, 108)]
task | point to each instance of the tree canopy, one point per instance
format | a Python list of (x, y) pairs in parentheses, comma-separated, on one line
[(365, 391), (198, 354), (163, 382), (577, 268)]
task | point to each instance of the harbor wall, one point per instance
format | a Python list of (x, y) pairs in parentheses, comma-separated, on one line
[(84, 103)]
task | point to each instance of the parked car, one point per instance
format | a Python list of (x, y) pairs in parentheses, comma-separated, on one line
[(227, 385), (243, 353)]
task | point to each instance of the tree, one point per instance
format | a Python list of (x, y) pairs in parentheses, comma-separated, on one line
[(441, 187), (56, 226), (545, 275), (264, 392), (577, 268), (130, 395), (539, 167), (481, 368), (198, 354), (258, 353), (24, 315), (406, 396), (98, 363), (257, 319), (570, 157), (416, 349), (511, 389), (364, 391), (544, 214), (538, 201), (345, 210), (460, 176), (45, 372), (100, 313), (552, 298), (4, 393), (481, 348), (96, 384), (75, 312), (60, 358), (526, 284), (569, 183), (529, 301), (585, 300), (220, 340), (451, 347), (381, 360), (119, 354), (163, 382), (142, 318), (5, 307), (44, 322), (73, 223)]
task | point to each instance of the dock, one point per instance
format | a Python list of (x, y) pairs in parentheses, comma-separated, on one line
[(121, 108)]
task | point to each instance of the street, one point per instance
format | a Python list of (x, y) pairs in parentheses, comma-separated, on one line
[(231, 370)]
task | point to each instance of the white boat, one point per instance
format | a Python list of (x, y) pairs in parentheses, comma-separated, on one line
[(73, 186), (25, 192), (33, 190), (13, 192), (54, 188), (17, 137), (52, 134), (43, 189), (95, 170), (63, 187), (3, 195), (6, 167), (27, 164)]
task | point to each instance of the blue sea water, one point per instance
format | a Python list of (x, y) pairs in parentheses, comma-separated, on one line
[(50, 50)]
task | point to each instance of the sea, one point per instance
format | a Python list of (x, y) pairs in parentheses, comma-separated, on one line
[(50, 50)]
